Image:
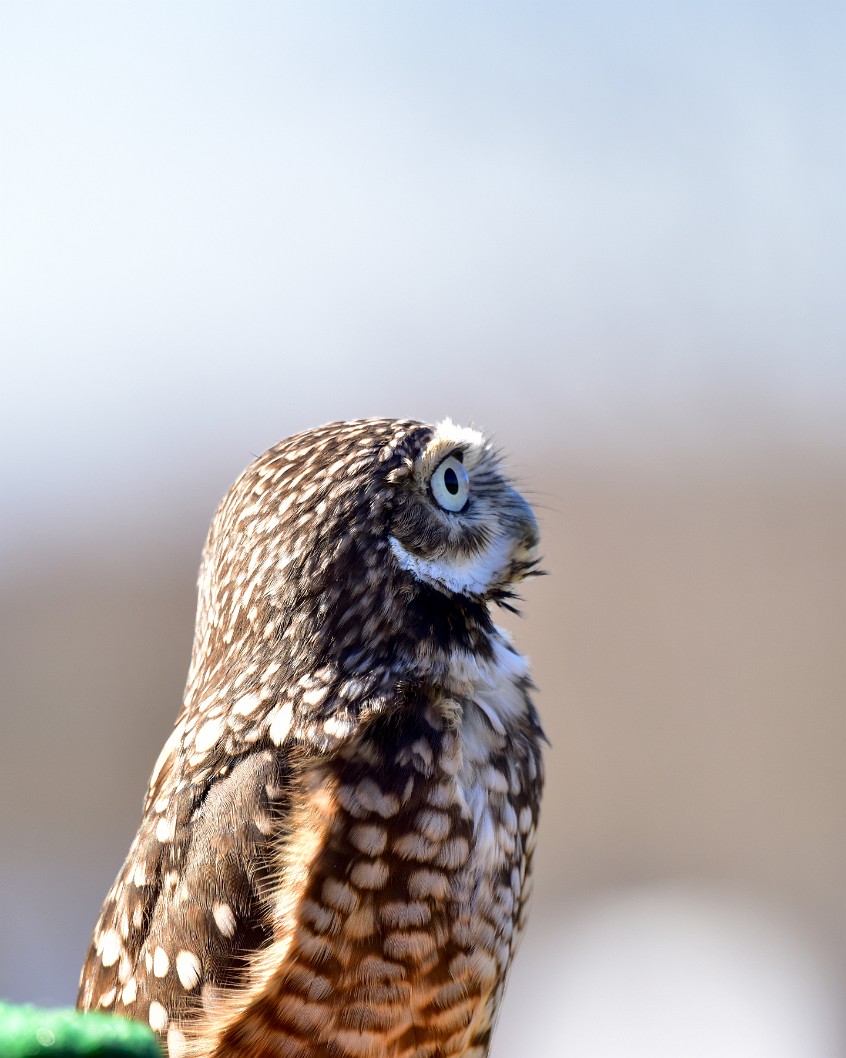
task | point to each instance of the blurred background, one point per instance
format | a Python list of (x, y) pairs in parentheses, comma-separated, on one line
[(613, 235)]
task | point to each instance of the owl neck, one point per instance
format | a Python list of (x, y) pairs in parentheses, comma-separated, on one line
[(444, 645)]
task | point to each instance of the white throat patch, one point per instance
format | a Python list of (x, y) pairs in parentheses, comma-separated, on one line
[(472, 575)]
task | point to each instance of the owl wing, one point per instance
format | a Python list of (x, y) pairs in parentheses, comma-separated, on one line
[(187, 907)]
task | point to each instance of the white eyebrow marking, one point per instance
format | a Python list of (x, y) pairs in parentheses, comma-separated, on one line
[(447, 430)]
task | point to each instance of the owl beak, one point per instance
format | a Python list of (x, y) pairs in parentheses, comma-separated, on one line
[(526, 535)]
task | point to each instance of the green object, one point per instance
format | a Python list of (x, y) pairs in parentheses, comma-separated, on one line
[(27, 1031)]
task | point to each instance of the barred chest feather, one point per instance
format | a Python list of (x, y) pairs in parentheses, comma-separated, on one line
[(403, 883)]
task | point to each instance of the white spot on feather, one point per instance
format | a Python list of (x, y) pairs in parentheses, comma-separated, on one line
[(315, 696), (369, 874), (224, 919), (369, 838), (337, 727), (207, 735), (247, 704), (161, 963), (110, 947), (188, 969), (427, 884), (164, 830), (158, 1017), (169, 746), (280, 726), (373, 799)]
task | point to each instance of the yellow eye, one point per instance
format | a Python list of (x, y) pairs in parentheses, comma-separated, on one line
[(450, 484)]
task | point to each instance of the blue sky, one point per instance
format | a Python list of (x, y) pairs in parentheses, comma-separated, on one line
[(588, 227)]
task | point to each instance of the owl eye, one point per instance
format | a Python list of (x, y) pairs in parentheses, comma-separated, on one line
[(450, 484)]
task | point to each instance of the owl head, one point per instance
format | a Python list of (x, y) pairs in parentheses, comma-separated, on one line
[(456, 524), (360, 548)]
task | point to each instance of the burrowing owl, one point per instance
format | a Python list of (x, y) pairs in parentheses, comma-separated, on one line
[(335, 853)]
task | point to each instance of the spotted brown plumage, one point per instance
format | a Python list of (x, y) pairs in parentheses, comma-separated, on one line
[(335, 853)]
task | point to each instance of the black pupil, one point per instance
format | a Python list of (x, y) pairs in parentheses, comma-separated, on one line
[(451, 481)]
